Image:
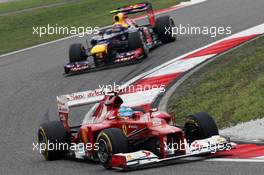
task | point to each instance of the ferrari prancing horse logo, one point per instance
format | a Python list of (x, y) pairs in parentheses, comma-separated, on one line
[(124, 128)]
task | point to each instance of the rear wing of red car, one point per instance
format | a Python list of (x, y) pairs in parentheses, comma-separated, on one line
[(80, 98), (65, 102), (141, 7)]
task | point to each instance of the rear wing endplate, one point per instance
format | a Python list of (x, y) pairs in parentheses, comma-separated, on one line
[(141, 7), (65, 102)]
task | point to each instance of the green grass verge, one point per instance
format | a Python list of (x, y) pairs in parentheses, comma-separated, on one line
[(24, 4), (231, 88), (16, 30)]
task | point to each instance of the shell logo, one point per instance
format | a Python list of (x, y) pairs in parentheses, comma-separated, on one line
[(129, 157)]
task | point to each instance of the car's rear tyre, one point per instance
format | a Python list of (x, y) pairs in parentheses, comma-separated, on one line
[(54, 139), (135, 41), (77, 53), (110, 141), (200, 126), (164, 28)]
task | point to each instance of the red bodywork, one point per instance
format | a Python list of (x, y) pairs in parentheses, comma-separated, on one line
[(138, 127)]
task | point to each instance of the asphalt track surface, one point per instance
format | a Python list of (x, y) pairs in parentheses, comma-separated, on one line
[(30, 81)]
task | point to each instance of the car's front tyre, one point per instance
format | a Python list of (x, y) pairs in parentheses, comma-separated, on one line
[(110, 141), (135, 41), (200, 126), (77, 53)]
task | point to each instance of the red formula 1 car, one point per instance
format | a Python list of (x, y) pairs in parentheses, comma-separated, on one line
[(123, 42), (128, 140)]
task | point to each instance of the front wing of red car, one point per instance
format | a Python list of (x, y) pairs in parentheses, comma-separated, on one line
[(144, 159)]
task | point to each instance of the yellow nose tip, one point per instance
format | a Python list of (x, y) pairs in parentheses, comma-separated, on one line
[(99, 49)]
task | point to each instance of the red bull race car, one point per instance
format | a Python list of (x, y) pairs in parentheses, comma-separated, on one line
[(125, 41), (123, 136)]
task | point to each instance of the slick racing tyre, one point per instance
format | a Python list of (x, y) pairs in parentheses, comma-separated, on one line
[(200, 126), (53, 139), (135, 41), (110, 141), (77, 53), (164, 28)]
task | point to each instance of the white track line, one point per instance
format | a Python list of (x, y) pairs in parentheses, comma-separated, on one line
[(255, 160), (180, 66)]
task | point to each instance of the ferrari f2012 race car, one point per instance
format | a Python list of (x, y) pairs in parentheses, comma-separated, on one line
[(126, 137), (124, 41)]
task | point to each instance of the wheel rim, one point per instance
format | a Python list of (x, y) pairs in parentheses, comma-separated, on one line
[(42, 143), (103, 151), (172, 24)]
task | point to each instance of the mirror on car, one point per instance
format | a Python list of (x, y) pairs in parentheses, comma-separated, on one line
[(153, 110)]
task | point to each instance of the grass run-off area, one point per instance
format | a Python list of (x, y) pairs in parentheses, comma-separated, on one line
[(231, 88), (14, 5), (16, 30)]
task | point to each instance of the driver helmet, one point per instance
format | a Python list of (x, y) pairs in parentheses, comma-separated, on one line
[(125, 112)]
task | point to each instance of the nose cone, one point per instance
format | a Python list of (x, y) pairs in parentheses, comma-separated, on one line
[(100, 48)]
